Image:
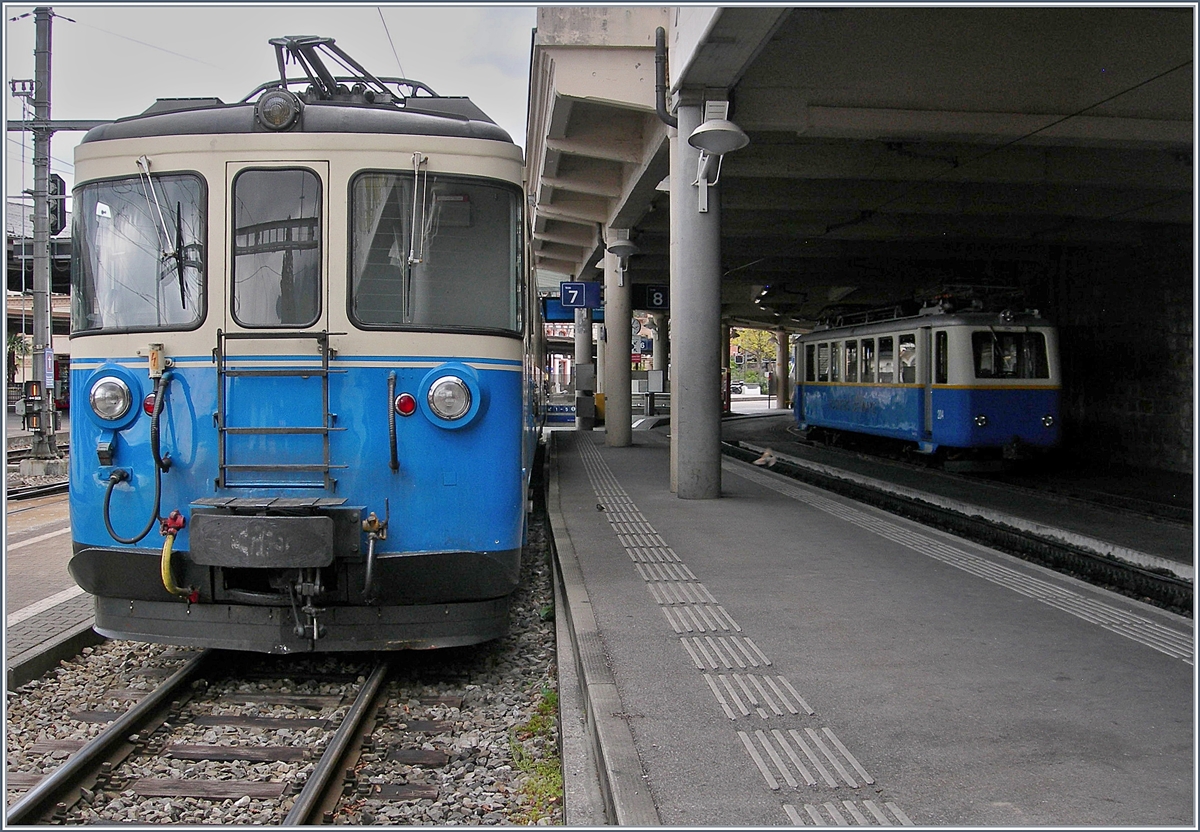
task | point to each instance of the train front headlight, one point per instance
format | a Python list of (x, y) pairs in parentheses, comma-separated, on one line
[(449, 398), (981, 421), (110, 398)]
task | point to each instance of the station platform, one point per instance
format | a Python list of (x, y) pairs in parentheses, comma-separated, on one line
[(783, 656)]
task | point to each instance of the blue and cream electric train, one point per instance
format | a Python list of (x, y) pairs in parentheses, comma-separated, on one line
[(970, 384), (305, 353)]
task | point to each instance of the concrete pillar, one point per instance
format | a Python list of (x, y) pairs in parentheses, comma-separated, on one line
[(726, 337), (585, 372), (601, 357), (696, 329), (618, 313), (673, 142), (658, 358), (782, 357)]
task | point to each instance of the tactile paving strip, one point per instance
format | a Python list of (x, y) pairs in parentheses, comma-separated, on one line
[(735, 671)]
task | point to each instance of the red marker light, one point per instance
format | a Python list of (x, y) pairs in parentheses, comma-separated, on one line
[(148, 404), (406, 405)]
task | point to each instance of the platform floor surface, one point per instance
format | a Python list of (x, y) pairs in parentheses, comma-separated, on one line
[(785, 656)]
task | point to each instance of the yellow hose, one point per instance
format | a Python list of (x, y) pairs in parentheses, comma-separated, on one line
[(167, 580)]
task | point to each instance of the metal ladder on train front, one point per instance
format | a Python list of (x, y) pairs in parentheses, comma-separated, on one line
[(226, 373)]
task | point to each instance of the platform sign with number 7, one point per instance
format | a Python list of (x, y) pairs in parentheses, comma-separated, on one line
[(579, 295)]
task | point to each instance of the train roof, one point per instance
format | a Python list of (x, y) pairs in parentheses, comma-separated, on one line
[(358, 102), (932, 317)]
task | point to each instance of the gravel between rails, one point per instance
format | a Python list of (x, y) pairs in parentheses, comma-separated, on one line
[(501, 685)]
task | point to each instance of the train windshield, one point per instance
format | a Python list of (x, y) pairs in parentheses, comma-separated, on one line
[(138, 254), (457, 265), (1010, 354)]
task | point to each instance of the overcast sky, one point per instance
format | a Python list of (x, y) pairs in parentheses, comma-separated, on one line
[(115, 60)]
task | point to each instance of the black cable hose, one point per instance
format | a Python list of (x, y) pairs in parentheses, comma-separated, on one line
[(160, 465)]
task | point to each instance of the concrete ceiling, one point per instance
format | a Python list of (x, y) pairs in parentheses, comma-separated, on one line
[(892, 150)]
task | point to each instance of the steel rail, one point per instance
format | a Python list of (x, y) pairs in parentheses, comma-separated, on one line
[(310, 798), (43, 797)]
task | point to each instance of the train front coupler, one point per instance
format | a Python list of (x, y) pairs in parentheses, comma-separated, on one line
[(307, 587)]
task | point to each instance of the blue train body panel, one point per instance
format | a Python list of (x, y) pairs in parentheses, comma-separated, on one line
[(1012, 414), (891, 411), (455, 490)]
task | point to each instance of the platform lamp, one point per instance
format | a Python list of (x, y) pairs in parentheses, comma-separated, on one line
[(714, 138), (622, 248)]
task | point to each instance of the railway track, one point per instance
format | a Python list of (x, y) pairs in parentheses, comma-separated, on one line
[(317, 775), (1163, 590), (140, 733), (291, 742)]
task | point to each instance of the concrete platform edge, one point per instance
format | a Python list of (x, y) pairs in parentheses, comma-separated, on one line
[(625, 795), (39, 660), (1180, 570)]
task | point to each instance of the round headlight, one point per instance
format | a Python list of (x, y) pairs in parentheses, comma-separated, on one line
[(278, 109), (449, 398), (110, 398)]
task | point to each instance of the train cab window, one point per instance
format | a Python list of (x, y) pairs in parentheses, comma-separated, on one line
[(908, 358), (448, 258), (822, 362), (835, 361), (810, 363), (276, 247), (851, 361), (887, 361), (941, 357), (867, 375), (1010, 354), (139, 254)]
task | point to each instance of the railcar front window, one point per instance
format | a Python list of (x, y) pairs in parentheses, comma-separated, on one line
[(445, 257), (822, 362), (1010, 354), (139, 259), (810, 363), (276, 248)]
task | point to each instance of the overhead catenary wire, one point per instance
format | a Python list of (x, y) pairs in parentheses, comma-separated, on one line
[(388, 32)]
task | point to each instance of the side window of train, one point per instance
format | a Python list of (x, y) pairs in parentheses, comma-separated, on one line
[(941, 357), (276, 247), (822, 362), (835, 361), (810, 363), (139, 256), (887, 361), (868, 361), (908, 358), (449, 255), (852, 361)]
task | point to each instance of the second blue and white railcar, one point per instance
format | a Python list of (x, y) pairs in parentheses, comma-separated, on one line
[(965, 381)]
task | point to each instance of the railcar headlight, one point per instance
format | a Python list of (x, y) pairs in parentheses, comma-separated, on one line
[(981, 421), (278, 109), (110, 398), (449, 398), (1048, 420)]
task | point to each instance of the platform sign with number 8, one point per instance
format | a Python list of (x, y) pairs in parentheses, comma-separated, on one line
[(651, 298)]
